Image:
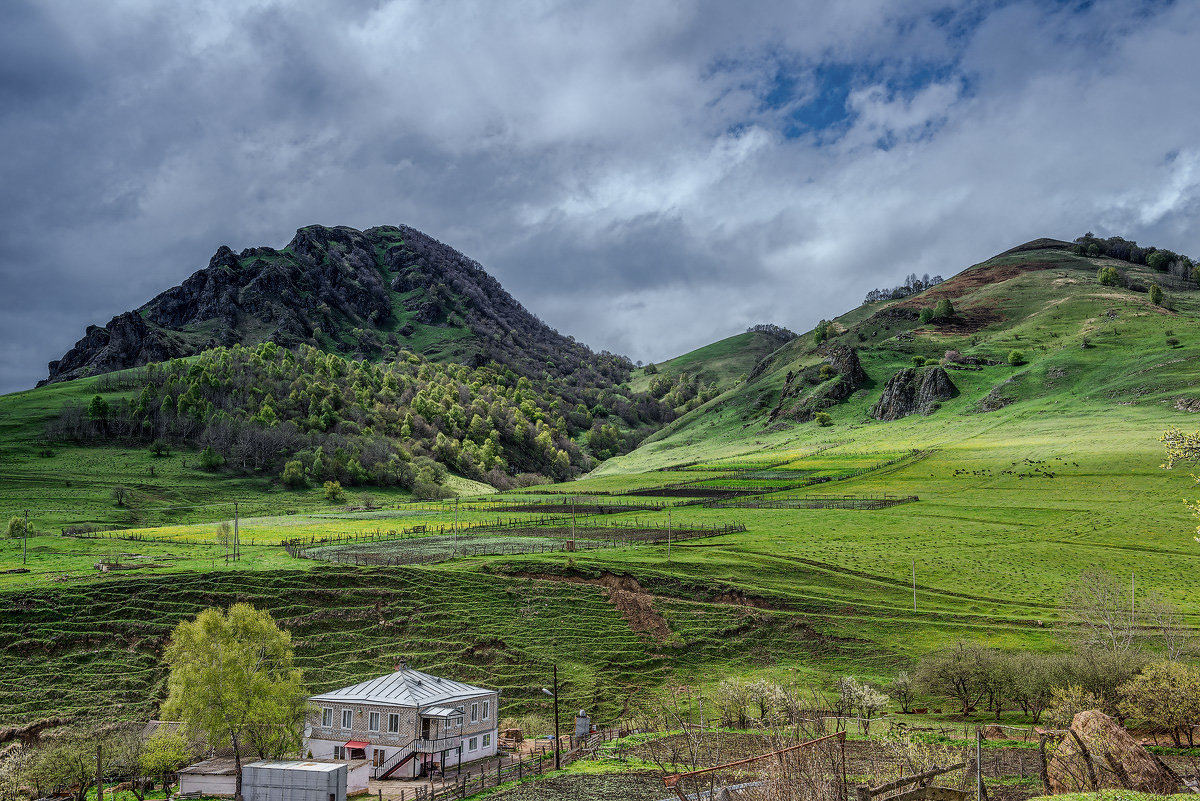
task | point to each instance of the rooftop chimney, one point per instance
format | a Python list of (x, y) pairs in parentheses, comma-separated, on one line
[(402, 665)]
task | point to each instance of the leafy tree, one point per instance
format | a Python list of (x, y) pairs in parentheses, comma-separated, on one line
[(1156, 294), (944, 309), (651, 369), (1165, 694), (823, 419), (160, 447), (823, 331), (16, 527), (1068, 701), (1016, 357), (164, 753), (1108, 276), (333, 492), (98, 409), (232, 679), (120, 494), (293, 474), (925, 316)]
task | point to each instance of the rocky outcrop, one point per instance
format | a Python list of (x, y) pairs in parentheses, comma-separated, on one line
[(357, 292), (796, 402), (913, 391), (1109, 757)]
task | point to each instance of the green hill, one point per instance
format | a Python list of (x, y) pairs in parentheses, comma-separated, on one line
[(1009, 478)]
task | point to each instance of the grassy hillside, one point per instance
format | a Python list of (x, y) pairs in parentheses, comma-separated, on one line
[(724, 362), (1031, 474)]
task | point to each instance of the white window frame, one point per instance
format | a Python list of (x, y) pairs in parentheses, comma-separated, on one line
[(487, 740), (393, 723), (339, 752), (347, 718), (373, 721), (474, 712), (487, 709), (326, 717), (473, 744), (458, 722)]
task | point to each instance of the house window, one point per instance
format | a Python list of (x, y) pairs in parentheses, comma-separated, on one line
[(458, 723), (474, 712), (487, 740), (327, 718), (347, 717), (393, 723), (373, 721), (487, 706), (339, 752), (377, 758), (473, 744)]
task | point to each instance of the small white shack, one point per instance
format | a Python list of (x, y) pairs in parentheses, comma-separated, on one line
[(210, 777), (305, 780)]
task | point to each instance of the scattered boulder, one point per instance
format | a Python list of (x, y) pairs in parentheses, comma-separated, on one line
[(913, 391), (1110, 757)]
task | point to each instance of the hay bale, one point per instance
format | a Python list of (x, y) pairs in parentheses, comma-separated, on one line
[(1110, 757)]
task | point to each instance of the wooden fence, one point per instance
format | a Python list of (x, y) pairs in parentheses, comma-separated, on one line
[(820, 502)]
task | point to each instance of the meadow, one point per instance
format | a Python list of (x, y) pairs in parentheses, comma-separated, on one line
[(1013, 504)]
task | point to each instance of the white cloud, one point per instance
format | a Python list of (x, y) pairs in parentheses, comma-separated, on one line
[(619, 167)]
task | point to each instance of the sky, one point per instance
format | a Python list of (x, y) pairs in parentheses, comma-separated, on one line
[(646, 176)]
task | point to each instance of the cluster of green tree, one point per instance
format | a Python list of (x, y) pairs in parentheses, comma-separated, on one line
[(1111, 276), (321, 417), (682, 393), (939, 312), (911, 286), (777, 331), (1159, 259)]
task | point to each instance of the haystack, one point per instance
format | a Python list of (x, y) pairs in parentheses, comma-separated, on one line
[(1109, 758)]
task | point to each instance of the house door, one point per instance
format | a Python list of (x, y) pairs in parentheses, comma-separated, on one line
[(425, 729)]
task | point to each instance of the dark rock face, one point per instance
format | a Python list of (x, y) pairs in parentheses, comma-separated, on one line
[(913, 391), (356, 289), (796, 403)]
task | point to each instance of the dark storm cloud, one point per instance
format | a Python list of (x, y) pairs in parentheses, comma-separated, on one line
[(648, 177)]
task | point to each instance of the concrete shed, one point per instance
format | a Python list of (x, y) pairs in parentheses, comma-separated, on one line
[(210, 777), (297, 780)]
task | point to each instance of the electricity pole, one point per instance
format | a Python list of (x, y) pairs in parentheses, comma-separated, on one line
[(25, 539), (668, 535), (556, 762), (914, 566), (237, 542)]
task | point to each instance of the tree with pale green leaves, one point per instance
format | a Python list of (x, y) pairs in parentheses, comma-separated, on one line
[(163, 754), (233, 681)]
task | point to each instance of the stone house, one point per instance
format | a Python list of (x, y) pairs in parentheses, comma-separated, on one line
[(407, 723)]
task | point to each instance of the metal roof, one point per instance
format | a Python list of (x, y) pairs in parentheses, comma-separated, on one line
[(441, 712), (403, 687)]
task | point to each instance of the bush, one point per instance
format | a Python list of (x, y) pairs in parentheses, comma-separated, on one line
[(918, 361), (160, 447), (1108, 276), (925, 316), (1016, 357), (827, 372), (293, 474), (944, 309), (823, 419), (210, 459), (1173, 342), (333, 492), (1156, 294)]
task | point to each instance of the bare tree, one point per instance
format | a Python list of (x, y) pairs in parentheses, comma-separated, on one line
[(1163, 619), (1100, 605)]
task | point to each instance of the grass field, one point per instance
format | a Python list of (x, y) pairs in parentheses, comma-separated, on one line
[(1064, 476)]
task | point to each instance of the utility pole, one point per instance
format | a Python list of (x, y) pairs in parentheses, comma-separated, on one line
[(668, 535), (980, 792), (456, 524), (25, 539), (572, 542), (556, 761), (914, 565), (237, 542), (99, 774)]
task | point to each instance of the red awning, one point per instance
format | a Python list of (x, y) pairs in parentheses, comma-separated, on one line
[(357, 744)]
